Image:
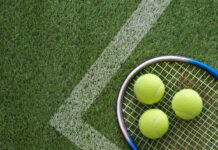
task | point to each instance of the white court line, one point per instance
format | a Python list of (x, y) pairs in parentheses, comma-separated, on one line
[(68, 120)]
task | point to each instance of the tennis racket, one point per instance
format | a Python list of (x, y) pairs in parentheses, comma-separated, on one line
[(176, 73)]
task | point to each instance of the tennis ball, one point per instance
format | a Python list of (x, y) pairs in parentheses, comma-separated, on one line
[(187, 104), (149, 89), (153, 123)]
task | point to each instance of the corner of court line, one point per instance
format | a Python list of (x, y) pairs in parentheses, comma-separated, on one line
[(68, 119)]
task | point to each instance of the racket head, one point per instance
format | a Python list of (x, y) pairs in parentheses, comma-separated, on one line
[(177, 73)]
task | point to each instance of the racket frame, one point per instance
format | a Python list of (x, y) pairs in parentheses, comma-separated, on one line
[(212, 71)]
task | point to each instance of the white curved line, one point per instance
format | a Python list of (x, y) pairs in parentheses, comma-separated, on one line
[(137, 87), (155, 125), (192, 115), (157, 92)]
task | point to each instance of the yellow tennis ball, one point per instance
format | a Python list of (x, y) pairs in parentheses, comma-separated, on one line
[(149, 89), (187, 104), (153, 123)]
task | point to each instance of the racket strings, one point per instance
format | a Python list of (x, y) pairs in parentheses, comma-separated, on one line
[(198, 133)]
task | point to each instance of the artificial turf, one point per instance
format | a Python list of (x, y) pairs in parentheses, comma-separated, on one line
[(48, 46)]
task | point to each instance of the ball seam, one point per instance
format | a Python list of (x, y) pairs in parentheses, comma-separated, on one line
[(190, 114), (137, 86), (155, 122), (157, 92)]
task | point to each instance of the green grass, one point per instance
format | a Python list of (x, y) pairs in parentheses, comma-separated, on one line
[(48, 46)]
